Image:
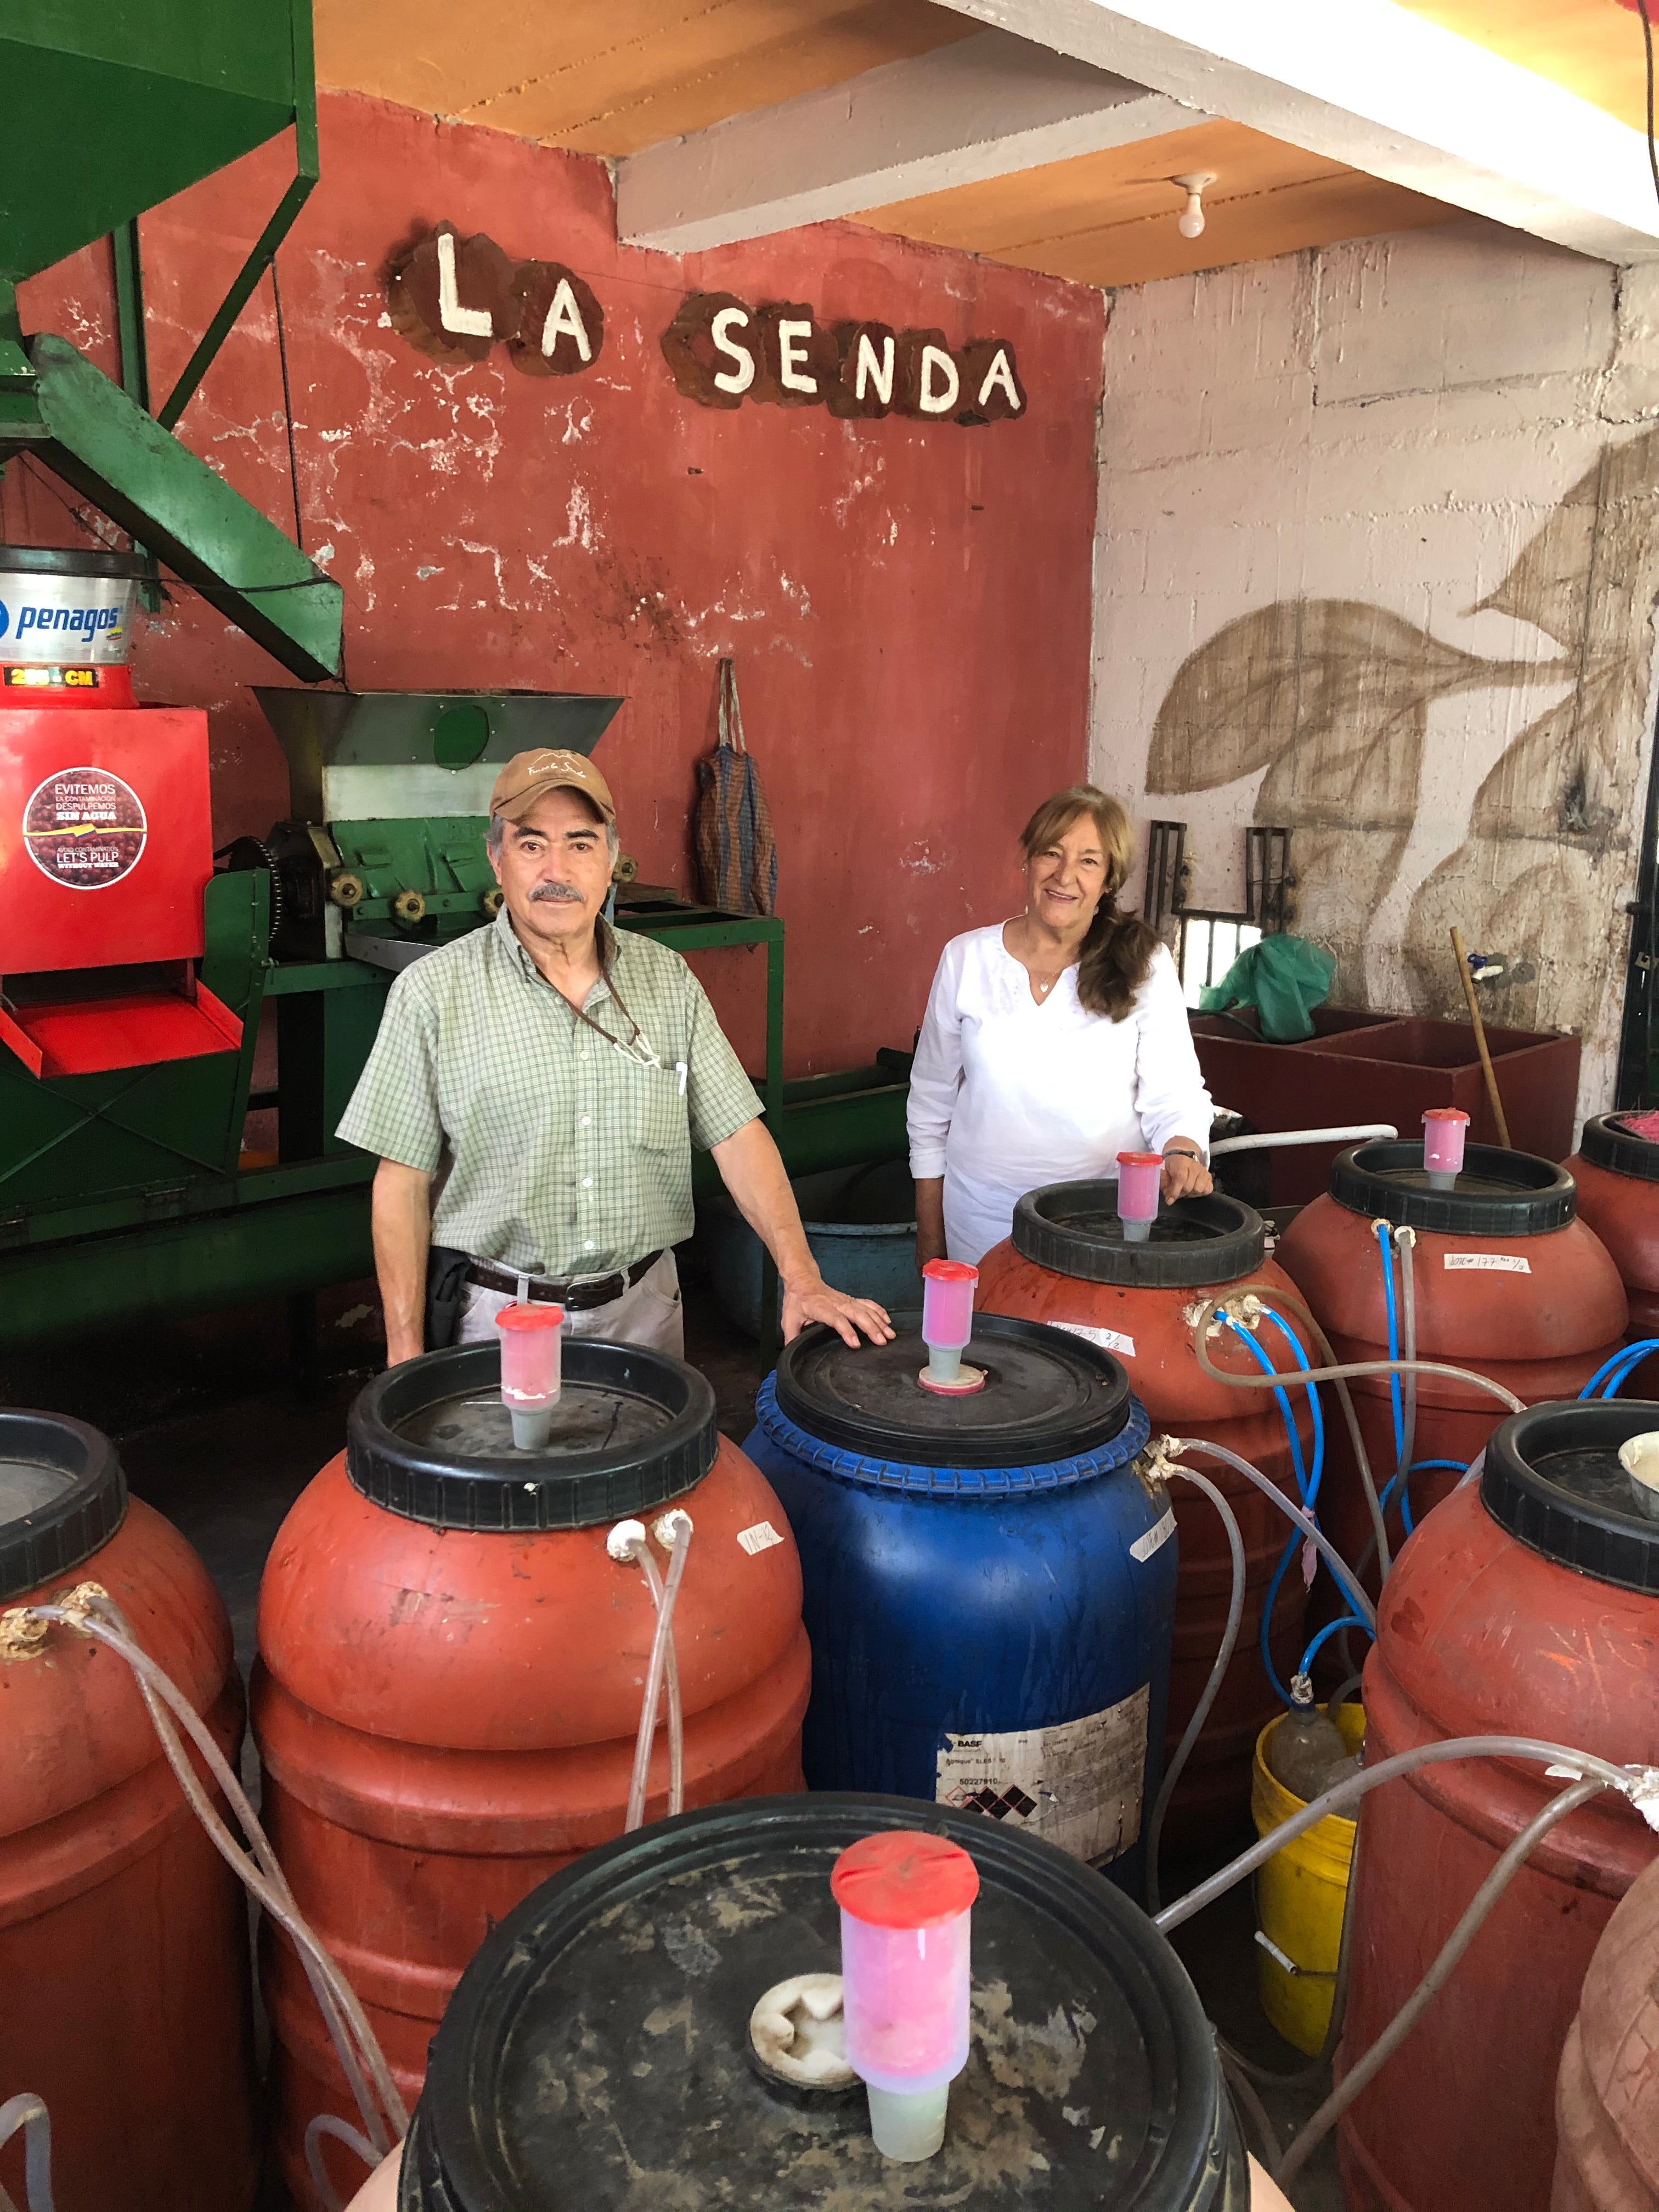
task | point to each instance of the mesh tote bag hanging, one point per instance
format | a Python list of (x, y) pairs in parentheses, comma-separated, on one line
[(737, 856)]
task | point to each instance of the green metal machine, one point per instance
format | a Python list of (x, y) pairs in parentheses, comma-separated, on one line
[(127, 1191)]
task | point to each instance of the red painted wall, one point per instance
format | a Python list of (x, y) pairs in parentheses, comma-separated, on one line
[(908, 603)]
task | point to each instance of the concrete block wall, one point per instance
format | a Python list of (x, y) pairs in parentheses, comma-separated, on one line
[(1377, 557)]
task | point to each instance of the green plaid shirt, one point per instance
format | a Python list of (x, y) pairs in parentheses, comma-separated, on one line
[(565, 1155)]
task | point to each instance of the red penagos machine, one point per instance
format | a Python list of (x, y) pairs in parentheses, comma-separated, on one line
[(105, 835)]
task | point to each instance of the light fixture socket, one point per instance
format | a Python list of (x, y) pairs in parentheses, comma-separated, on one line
[(1195, 185)]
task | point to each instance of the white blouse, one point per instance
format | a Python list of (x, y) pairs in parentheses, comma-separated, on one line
[(1007, 1094)]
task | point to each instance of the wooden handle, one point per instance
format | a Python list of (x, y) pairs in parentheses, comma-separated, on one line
[(1480, 1039)]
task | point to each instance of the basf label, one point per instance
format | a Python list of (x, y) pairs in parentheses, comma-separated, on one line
[(85, 828)]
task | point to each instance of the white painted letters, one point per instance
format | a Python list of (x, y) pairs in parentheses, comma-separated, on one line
[(792, 357), (564, 319), (742, 375), (875, 375), (465, 322), (1000, 373), (939, 385)]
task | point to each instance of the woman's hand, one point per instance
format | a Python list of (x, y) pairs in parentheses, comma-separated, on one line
[(1184, 1175)]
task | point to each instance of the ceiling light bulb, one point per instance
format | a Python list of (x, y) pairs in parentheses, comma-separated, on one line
[(1192, 216)]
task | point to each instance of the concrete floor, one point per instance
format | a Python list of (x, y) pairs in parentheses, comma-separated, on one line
[(221, 1430)]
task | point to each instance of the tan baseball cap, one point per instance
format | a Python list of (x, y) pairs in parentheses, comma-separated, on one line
[(527, 775)]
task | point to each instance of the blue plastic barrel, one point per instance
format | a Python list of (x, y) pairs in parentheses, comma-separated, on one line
[(989, 1582)]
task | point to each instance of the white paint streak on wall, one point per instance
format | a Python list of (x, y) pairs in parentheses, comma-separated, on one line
[(1390, 424)]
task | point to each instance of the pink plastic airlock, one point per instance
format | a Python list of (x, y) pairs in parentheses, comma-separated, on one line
[(531, 1363), (1444, 1129), (906, 1902), (1138, 1177), (947, 1323)]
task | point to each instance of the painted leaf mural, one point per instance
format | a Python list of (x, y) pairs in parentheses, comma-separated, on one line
[(1331, 696)]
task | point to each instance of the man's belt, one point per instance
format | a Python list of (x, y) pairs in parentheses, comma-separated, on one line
[(580, 1297)]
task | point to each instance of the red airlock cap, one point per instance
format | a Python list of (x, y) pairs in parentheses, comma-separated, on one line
[(903, 1878), (530, 1316), (949, 1271), (1140, 1159)]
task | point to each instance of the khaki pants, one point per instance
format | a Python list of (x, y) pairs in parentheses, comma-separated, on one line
[(648, 1313)]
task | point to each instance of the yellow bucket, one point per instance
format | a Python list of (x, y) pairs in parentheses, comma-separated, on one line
[(1299, 1897)]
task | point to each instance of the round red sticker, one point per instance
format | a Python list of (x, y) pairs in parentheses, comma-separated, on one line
[(85, 828)]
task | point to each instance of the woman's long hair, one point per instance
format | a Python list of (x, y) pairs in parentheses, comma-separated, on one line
[(1117, 952)]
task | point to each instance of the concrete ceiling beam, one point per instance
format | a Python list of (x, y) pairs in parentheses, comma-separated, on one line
[(1380, 89), (986, 107)]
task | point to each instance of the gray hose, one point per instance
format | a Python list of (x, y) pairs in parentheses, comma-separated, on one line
[(1271, 1490), (1244, 2090), (1366, 2067), (28, 2112), (261, 1875), (1586, 1764), (359, 2145), (1222, 1661)]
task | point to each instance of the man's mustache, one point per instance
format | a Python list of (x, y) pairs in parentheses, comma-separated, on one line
[(565, 892)]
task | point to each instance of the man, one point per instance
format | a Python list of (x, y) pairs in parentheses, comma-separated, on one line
[(548, 1076)]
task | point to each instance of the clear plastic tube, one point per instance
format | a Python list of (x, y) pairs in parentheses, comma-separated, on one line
[(326, 2124), (628, 1541), (1586, 1764), (1212, 1688), (1372, 2062), (1361, 1605), (1274, 1139), (92, 1612), (28, 2112)]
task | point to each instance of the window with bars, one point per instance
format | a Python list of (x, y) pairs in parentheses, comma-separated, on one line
[(1206, 940)]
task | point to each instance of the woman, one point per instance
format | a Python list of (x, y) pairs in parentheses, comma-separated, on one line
[(1052, 1042)]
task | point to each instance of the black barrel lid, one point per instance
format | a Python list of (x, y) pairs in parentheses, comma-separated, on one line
[(1047, 1396), (1073, 1228), (594, 2051), (1499, 1194), (431, 1439), (1609, 1142), (62, 1496), (68, 560), (1552, 1479)]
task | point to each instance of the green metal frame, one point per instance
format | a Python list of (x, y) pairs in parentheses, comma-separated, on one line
[(142, 1208), (90, 432), (264, 252)]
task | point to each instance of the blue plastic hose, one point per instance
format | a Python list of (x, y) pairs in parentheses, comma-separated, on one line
[(1267, 1365), (1385, 1246), (1625, 1361), (1403, 1482), (1331, 1628)]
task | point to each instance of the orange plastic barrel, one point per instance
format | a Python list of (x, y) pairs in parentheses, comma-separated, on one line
[(1068, 1263), (1607, 2093), (451, 1670), (124, 1966), (1617, 1172), (1528, 1605), (1509, 1281)]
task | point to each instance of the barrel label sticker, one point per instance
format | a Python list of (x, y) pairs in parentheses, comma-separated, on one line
[(1155, 1538), (1490, 1263), (1078, 1785), (1108, 1339), (84, 828), (760, 1538)]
